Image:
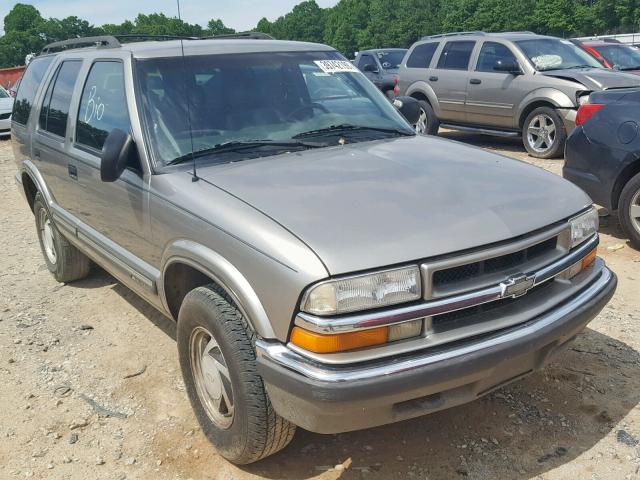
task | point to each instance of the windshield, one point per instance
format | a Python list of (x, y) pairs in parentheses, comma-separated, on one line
[(556, 54), (3, 93), (391, 59), (252, 99), (622, 57)]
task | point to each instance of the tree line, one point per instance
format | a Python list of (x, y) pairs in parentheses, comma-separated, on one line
[(349, 26)]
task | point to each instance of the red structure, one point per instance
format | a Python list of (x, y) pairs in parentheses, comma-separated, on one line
[(9, 76)]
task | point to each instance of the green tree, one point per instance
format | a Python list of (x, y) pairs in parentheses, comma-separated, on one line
[(217, 27), (22, 18)]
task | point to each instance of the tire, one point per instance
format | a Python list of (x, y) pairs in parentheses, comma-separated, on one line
[(543, 133), (65, 262), (428, 124), (232, 408), (629, 210)]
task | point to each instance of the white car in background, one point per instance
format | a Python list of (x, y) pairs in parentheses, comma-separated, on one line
[(6, 106)]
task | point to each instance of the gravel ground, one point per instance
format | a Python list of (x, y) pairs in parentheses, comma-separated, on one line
[(92, 388)]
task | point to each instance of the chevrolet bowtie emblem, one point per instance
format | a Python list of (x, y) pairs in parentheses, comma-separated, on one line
[(517, 286)]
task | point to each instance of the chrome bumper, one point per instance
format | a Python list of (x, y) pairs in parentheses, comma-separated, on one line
[(280, 354)]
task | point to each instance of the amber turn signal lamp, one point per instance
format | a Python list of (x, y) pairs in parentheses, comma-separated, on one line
[(590, 258), (319, 343)]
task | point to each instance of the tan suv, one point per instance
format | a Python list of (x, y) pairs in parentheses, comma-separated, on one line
[(506, 84)]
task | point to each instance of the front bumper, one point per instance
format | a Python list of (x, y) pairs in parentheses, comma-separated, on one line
[(5, 127), (331, 399), (568, 116)]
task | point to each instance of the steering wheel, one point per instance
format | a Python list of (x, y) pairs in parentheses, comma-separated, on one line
[(308, 107)]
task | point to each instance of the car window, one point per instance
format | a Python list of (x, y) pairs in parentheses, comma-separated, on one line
[(55, 108), (28, 87), (103, 105), (621, 57), (491, 53), (368, 60), (421, 55), (456, 55), (555, 54), (391, 59)]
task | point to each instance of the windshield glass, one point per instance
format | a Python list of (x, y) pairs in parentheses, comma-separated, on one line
[(620, 56), (391, 59), (3, 93), (556, 54), (249, 98)]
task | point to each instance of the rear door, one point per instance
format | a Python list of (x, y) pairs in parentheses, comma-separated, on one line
[(449, 79), (493, 97), (50, 139)]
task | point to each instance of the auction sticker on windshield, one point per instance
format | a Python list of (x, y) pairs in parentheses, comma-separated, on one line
[(336, 66)]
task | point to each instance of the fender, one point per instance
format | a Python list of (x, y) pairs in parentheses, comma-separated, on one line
[(425, 89), (225, 274), (548, 95), (32, 171)]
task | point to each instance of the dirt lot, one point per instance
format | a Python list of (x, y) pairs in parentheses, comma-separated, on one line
[(91, 389)]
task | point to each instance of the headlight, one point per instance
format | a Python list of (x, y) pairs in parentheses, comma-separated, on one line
[(584, 226), (363, 292), (583, 98)]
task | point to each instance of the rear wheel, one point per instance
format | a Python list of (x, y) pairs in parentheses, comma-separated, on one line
[(428, 123), (63, 260), (544, 134), (629, 210), (218, 363)]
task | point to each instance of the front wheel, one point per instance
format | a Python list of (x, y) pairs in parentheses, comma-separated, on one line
[(544, 134), (428, 123), (629, 210), (218, 363)]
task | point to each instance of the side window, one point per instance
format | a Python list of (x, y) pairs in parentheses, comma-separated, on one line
[(55, 108), (368, 64), (492, 52), (103, 105), (456, 55), (28, 87), (422, 55)]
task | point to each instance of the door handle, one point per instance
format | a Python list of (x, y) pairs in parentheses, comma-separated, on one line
[(433, 79), (475, 81), (73, 171)]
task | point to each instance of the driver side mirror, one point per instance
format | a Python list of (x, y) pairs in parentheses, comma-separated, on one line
[(409, 108), (507, 66), (116, 153), (370, 68)]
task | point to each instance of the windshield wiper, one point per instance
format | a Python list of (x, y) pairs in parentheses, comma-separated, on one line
[(565, 68), (625, 69), (242, 145), (348, 128)]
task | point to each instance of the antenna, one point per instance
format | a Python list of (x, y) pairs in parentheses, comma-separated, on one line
[(194, 173)]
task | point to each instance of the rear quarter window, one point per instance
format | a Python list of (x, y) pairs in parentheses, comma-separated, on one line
[(421, 55), (57, 101), (28, 88)]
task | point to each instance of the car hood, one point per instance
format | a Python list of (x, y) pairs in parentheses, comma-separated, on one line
[(597, 78), (6, 104), (381, 203)]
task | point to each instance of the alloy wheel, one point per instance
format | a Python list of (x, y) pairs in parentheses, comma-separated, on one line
[(541, 133), (211, 378), (423, 122)]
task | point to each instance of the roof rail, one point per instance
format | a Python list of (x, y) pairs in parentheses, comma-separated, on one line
[(453, 34), (523, 32), (241, 35), (154, 37), (103, 41)]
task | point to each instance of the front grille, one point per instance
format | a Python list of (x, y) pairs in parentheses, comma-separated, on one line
[(4, 116), (493, 270)]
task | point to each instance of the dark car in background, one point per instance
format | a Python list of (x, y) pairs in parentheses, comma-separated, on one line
[(613, 55), (603, 155), (381, 66)]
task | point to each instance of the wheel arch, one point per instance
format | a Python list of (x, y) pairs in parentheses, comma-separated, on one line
[(188, 265), (423, 91), (30, 188), (546, 97), (627, 173)]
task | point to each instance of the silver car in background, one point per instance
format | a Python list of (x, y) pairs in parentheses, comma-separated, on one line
[(6, 106), (505, 84)]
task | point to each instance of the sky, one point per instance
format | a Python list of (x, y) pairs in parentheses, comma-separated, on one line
[(238, 14)]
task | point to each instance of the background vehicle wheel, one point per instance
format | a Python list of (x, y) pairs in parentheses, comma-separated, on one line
[(629, 210), (544, 134), (428, 123), (218, 363), (63, 260)]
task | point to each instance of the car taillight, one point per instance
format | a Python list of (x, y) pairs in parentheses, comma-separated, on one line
[(585, 112), (396, 90)]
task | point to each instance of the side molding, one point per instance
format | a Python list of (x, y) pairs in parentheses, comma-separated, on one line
[(225, 274)]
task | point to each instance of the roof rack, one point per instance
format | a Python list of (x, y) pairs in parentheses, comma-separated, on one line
[(103, 41), (154, 37), (241, 35), (453, 34)]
